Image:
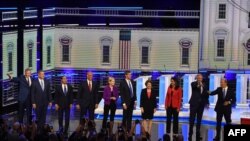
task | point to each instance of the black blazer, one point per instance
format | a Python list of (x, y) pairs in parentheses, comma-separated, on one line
[(61, 99), (230, 96), (148, 103), (24, 88), (86, 97), (125, 92), (197, 97), (38, 96)]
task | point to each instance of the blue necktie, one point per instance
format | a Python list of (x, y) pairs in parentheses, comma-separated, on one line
[(130, 89), (224, 93), (65, 90)]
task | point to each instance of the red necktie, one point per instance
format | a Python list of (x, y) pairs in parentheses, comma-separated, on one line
[(90, 87)]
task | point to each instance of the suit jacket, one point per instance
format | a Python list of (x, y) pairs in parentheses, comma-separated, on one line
[(86, 97), (125, 92), (107, 94), (61, 99), (148, 103), (38, 96), (230, 96), (176, 98), (198, 97), (24, 88)]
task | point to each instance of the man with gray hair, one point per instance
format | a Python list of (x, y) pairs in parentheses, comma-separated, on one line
[(198, 101), (24, 95)]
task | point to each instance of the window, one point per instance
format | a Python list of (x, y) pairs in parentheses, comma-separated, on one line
[(144, 55), (30, 57), (220, 40), (48, 54), (185, 56), (30, 45), (65, 53), (106, 46), (10, 56), (48, 49), (185, 47), (145, 47), (65, 48), (105, 58), (222, 11), (247, 49), (220, 47), (248, 59)]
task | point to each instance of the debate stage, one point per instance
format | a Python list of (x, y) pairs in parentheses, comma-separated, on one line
[(208, 130)]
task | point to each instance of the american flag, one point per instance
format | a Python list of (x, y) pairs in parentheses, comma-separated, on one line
[(124, 49)]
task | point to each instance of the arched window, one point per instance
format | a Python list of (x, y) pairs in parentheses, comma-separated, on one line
[(248, 54), (220, 43), (30, 46), (145, 48), (10, 48), (65, 48), (48, 49), (185, 47), (106, 46)]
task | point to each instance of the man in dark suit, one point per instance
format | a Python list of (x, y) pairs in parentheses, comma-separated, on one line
[(63, 103), (223, 107), (128, 97), (41, 98), (24, 96), (87, 97), (198, 101)]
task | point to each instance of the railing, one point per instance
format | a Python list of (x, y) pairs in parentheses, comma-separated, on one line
[(10, 15), (189, 14), (104, 12), (30, 14)]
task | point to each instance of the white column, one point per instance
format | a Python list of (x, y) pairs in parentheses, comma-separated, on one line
[(163, 87), (235, 33), (241, 90), (187, 89), (140, 84), (214, 82), (204, 31)]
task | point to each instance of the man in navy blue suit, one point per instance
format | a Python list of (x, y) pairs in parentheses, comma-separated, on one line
[(226, 100), (24, 96), (41, 98), (63, 103)]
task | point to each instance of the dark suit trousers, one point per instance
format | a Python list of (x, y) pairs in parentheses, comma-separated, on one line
[(41, 112), (195, 112), (22, 105), (65, 111), (91, 111), (127, 116), (172, 112), (107, 108), (227, 116)]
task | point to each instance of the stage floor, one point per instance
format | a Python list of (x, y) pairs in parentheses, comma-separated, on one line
[(159, 126)]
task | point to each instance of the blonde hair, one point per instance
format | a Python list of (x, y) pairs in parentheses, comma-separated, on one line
[(110, 79)]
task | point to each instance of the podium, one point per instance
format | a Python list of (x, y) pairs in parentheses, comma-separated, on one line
[(241, 90), (187, 89), (214, 82)]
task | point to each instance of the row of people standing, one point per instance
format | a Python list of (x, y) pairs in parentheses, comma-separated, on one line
[(36, 92), (33, 93)]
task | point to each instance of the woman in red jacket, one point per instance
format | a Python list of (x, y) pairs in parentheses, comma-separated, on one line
[(173, 105)]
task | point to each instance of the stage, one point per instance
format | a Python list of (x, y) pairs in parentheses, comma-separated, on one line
[(159, 125)]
